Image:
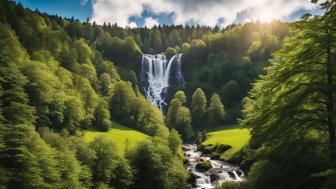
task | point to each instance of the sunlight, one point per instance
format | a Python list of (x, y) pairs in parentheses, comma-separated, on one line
[(265, 15)]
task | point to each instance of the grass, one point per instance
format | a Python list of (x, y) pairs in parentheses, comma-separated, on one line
[(231, 135), (119, 134)]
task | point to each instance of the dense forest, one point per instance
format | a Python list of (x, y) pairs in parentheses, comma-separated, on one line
[(60, 77)]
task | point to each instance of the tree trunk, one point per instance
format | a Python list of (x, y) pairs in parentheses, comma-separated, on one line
[(330, 105)]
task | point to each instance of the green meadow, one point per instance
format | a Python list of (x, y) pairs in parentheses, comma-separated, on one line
[(231, 135), (123, 136)]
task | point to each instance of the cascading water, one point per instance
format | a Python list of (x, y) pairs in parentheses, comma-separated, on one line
[(155, 77), (219, 173)]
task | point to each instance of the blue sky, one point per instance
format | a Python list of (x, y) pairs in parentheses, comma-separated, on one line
[(141, 13), (65, 8)]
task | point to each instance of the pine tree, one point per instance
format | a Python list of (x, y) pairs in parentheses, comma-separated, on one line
[(26, 160)]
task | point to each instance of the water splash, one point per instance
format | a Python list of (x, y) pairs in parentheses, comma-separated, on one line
[(219, 173), (155, 77)]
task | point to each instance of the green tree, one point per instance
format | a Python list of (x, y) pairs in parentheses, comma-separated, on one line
[(170, 52), (198, 108), (174, 141), (215, 112), (293, 102), (108, 167), (26, 160), (174, 105), (156, 166), (181, 97), (13, 99), (102, 120), (183, 123), (84, 52)]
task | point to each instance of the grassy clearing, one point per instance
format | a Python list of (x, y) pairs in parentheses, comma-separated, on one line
[(119, 134), (230, 135)]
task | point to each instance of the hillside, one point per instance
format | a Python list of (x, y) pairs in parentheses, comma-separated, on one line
[(100, 106), (231, 135), (123, 136)]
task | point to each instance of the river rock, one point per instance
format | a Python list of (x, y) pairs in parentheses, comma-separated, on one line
[(232, 175), (207, 149), (214, 177), (215, 156), (223, 147), (204, 166), (239, 173)]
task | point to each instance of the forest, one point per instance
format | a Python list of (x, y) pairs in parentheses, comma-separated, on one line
[(61, 78)]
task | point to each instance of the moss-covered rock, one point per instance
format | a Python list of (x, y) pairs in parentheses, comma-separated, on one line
[(204, 166)]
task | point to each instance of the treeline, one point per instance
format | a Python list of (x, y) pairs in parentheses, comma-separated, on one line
[(196, 116), (291, 111), (50, 160), (53, 86), (222, 61), (228, 62), (67, 82)]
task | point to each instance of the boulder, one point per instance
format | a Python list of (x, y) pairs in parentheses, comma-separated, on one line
[(223, 147), (214, 177), (204, 166), (232, 175)]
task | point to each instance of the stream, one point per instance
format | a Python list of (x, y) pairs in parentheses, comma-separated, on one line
[(219, 173)]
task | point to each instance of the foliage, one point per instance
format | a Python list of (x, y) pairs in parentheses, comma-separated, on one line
[(179, 117), (109, 168), (291, 111), (198, 108), (157, 166), (57, 77), (215, 111)]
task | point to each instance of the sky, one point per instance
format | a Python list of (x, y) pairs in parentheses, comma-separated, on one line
[(140, 13)]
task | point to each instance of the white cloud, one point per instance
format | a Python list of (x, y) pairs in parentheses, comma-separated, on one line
[(132, 25), (150, 22), (207, 12), (115, 11)]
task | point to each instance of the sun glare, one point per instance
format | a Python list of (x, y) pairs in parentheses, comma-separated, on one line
[(265, 15)]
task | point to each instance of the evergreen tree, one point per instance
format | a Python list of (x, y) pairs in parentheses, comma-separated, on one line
[(13, 99), (26, 160), (181, 97), (174, 105), (102, 120), (215, 112), (183, 123), (198, 108)]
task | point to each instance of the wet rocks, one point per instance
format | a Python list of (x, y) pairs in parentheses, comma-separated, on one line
[(223, 147), (214, 177), (204, 166), (207, 170)]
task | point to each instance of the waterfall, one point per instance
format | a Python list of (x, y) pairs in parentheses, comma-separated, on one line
[(179, 70), (155, 77)]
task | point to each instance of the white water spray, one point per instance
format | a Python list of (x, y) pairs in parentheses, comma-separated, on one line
[(155, 77)]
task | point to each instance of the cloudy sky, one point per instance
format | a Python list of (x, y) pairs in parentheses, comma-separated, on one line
[(148, 13)]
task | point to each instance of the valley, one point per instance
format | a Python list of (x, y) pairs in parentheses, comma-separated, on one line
[(144, 97)]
